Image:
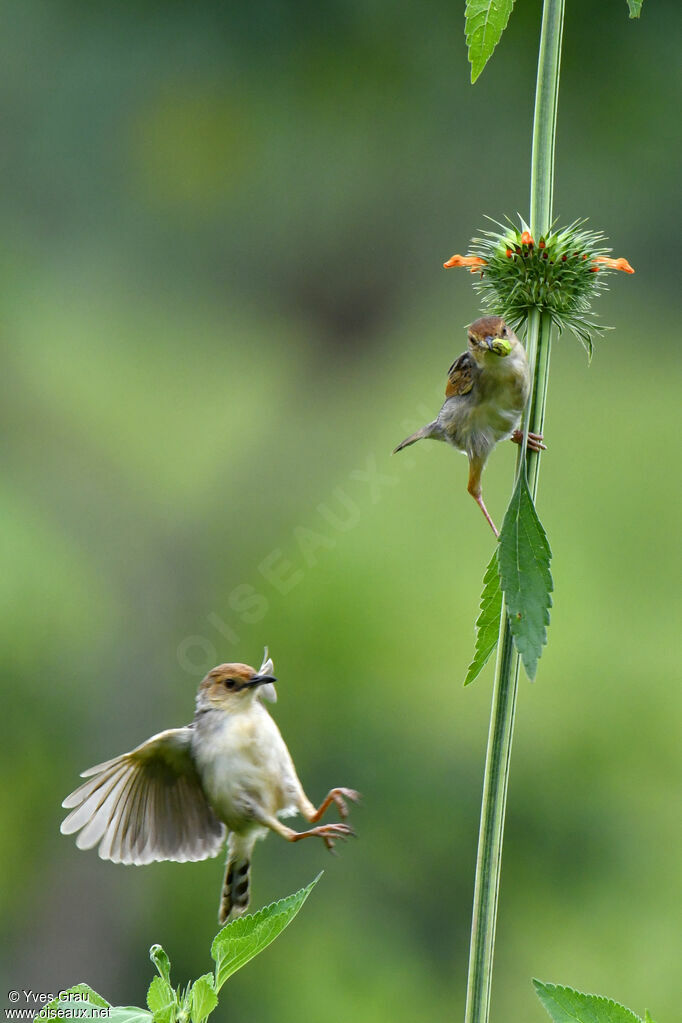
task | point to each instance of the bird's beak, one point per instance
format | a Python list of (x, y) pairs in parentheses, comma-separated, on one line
[(489, 342), (267, 684), (261, 680)]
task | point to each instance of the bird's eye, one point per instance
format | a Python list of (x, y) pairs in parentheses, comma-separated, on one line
[(230, 683), (504, 332)]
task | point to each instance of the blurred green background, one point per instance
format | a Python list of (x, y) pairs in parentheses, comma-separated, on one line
[(222, 306)]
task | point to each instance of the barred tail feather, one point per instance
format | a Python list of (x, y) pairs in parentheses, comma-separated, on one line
[(234, 899)]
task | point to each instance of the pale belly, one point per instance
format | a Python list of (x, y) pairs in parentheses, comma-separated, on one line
[(246, 769), (475, 424)]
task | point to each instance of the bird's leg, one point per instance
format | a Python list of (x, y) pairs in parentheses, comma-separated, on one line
[(329, 833), (338, 797), (534, 440), (474, 488)]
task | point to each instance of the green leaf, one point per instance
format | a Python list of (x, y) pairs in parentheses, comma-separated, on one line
[(161, 1001), (80, 996), (129, 1014), (635, 8), (488, 621), (524, 557), (161, 962), (565, 1005), (647, 1017), (203, 998), (485, 21), (92, 996), (92, 1010), (243, 938)]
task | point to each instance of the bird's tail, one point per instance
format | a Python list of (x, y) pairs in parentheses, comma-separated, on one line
[(430, 430), (234, 898)]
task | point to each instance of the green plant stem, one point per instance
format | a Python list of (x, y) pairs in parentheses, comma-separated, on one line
[(538, 344), (544, 122)]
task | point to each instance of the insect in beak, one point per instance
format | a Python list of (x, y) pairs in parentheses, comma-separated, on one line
[(499, 346)]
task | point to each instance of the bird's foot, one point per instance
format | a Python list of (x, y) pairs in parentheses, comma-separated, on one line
[(329, 833), (534, 440), (338, 797)]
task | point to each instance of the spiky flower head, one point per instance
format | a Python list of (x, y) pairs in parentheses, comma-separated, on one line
[(560, 273)]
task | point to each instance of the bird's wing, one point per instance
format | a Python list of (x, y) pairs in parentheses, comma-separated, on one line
[(146, 805), (460, 376)]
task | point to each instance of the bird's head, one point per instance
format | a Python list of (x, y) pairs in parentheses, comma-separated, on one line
[(232, 687), (490, 338)]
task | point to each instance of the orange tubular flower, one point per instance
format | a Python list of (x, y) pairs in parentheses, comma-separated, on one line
[(612, 264), (474, 263), (559, 272)]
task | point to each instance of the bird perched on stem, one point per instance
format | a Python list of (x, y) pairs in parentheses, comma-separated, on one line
[(177, 795), (486, 393)]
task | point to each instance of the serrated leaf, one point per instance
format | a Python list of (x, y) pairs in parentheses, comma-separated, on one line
[(635, 8), (85, 989), (485, 21), (524, 557), (565, 1005), (243, 938), (161, 962), (203, 998), (161, 1001), (84, 1003), (84, 998), (488, 621)]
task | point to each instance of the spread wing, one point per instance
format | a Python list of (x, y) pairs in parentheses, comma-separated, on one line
[(146, 805), (460, 376)]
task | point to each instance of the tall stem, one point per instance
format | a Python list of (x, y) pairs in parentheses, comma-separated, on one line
[(538, 344)]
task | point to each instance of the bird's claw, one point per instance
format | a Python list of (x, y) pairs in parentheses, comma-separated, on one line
[(339, 797), (330, 833), (534, 442)]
